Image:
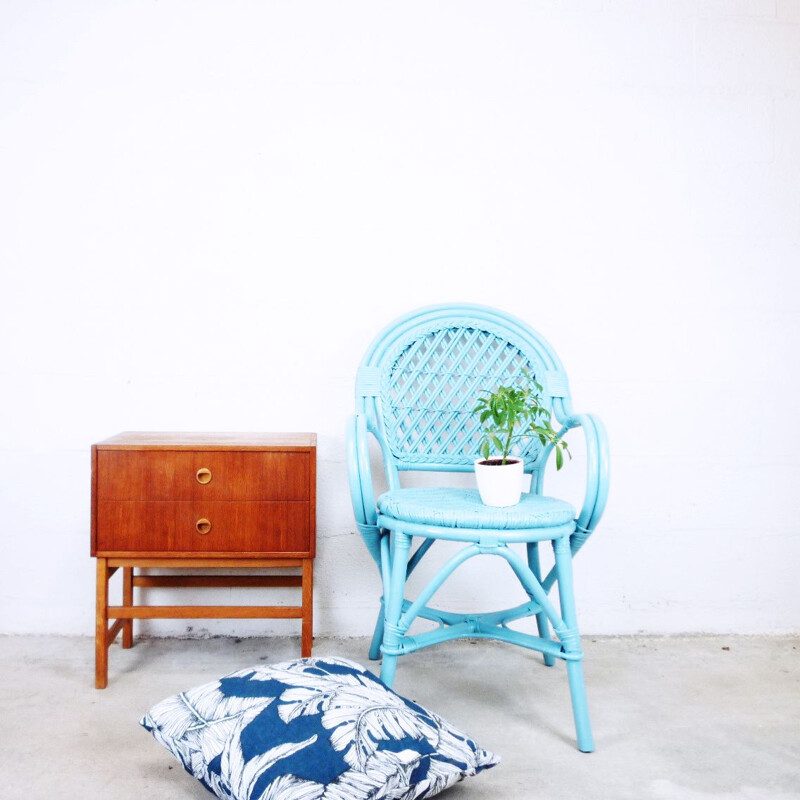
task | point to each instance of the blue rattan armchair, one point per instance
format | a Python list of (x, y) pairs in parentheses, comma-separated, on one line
[(415, 391)]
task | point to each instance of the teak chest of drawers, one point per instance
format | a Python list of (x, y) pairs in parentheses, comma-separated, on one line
[(186, 500)]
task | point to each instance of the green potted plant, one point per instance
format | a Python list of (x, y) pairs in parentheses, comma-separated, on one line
[(509, 416)]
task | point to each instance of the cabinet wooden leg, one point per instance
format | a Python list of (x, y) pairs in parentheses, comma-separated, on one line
[(308, 608), (101, 627), (127, 600)]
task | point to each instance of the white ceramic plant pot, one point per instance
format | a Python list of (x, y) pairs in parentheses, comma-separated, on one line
[(499, 484)]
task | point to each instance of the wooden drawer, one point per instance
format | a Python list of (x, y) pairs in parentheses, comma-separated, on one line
[(171, 526), (230, 475)]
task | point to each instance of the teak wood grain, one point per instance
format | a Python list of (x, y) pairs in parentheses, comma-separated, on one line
[(164, 526), (133, 440), (205, 612), (189, 560), (216, 500), (230, 475), (212, 581)]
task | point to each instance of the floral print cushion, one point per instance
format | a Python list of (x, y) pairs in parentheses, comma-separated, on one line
[(314, 728)]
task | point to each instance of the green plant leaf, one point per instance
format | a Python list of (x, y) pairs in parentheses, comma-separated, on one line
[(511, 414)]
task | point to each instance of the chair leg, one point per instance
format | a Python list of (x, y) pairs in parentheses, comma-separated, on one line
[(377, 636), (572, 644), (542, 622), (580, 708), (392, 637)]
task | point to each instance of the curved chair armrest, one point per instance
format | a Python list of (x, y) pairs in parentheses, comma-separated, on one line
[(597, 475), (596, 482), (362, 494)]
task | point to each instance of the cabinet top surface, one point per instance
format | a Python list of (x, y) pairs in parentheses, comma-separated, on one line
[(189, 441)]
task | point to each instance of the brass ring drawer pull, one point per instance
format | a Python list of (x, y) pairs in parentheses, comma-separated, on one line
[(203, 526), (203, 475)]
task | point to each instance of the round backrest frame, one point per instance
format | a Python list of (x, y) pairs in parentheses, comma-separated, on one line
[(423, 374)]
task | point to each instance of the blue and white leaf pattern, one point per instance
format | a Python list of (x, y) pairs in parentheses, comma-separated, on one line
[(312, 729)]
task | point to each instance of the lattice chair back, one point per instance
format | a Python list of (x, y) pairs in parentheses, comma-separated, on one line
[(422, 376)]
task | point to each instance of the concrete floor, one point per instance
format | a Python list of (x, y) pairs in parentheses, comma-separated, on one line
[(676, 717)]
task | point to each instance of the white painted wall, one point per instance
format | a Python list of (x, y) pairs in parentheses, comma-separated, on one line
[(207, 209)]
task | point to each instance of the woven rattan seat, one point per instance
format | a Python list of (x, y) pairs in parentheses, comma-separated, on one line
[(462, 508)]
